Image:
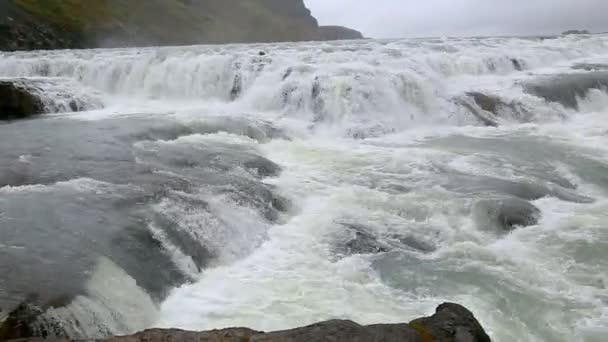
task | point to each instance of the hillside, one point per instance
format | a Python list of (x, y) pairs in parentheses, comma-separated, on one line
[(47, 24)]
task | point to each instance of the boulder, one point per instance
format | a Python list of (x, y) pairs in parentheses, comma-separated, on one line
[(450, 323), (506, 214), (16, 102)]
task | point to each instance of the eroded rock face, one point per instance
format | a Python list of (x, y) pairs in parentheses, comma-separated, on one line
[(450, 323)]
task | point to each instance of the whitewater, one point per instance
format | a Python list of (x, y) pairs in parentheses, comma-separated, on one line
[(277, 185)]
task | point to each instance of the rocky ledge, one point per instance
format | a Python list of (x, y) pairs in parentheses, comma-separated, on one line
[(16, 102), (22, 98), (450, 323)]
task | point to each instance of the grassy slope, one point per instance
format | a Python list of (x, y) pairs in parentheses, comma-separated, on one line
[(172, 21)]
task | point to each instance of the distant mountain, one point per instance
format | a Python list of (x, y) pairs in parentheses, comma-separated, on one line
[(53, 24), (570, 32)]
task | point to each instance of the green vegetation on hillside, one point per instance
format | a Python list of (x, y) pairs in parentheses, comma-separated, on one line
[(93, 23)]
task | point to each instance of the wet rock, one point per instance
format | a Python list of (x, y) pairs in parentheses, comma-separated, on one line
[(520, 189), (489, 103), (451, 322), (361, 241), (16, 102), (237, 87), (334, 331), (287, 73), (567, 89), (516, 64), (20, 321), (506, 214), (27, 319), (25, 97), (262, 167), (590, 66), (416, 244), (496, 107), (364, 243)]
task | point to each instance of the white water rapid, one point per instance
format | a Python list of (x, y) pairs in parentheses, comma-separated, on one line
[(388, 177)]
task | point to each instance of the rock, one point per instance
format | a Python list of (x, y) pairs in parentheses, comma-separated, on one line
[(364, 243), (330, 331), (262, 167), (338, 33), (590, 66), (16, 102), (450, 323), (20, 322), (24, 97), (361, 241), (496, 107), (506, 214), (567, 89), (416, 244), (516, 64)]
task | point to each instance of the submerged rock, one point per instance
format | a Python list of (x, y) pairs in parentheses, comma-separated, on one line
[(16, 102), (506, 214), (364, 243), (489, 108), (450, 323), (360, 241), (569, 88)]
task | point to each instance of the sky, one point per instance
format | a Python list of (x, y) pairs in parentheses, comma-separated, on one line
[(422, 18)]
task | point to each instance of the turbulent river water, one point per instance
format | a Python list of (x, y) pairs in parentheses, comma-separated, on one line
[(272, 186)]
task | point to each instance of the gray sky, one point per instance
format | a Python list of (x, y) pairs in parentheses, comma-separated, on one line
[(407, 18)]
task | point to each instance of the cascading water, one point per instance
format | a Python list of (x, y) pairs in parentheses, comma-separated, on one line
[(275, 185)]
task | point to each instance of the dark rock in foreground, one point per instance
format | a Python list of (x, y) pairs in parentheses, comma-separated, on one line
[(17, 102), (450, 323)]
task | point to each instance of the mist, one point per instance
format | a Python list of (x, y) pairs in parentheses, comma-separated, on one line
[(414, 18)]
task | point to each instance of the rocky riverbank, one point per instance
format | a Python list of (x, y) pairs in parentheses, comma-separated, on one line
[(450, 323)]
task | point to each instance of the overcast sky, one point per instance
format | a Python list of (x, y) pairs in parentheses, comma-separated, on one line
[(412, 18)]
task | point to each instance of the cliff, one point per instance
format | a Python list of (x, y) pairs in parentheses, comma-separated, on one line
[(53, 24), (338, 32)]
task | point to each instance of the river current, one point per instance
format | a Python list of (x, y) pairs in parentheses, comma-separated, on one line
[(277, 185)]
